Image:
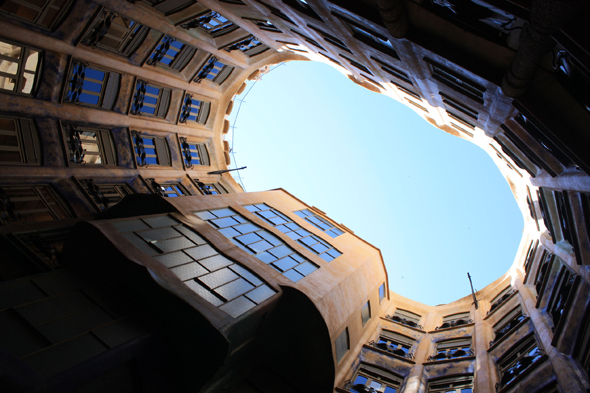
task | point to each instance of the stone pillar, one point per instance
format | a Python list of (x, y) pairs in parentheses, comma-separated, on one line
[(546, 17), (484, 369), (393, 14)]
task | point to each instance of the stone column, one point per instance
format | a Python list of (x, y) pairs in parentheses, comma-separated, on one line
[(484, 369)]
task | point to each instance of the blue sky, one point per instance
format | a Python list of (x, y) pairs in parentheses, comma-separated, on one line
[(435, 205)]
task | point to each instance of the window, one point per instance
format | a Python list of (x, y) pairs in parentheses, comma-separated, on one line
[(407, 91), (319, 222), (89, 146), (582, 347), (327, 57), (168, 189), (19, 68), (356, 64), (172, 53), (369, 37), (460, 119), (545, 266), (394, 343), (264, 24), (303, 7), (169, 7), (193, 110), (19, 142), (560, 301), (566, 221), (517, 360), (342, 345), (193, 153), (250, 46), (214, 71), (115, 33), (330, 38), (222, 282), (372, 379), (277, 12), (308, 39), (399, 74), (381, 293), (500, 298), (92, 86), (150, 100), (458, 384), (211, 23), (414, 103), (456, 81), (512, 156), (29, 204), (530, 256), (150, 150), (455, 320), (507, 324), (295, 232), (104, 196), (210, 188), (366, 313), (406, 318), (259, 242), (451, 103), (545, 213), (452, 349), (44, 13)]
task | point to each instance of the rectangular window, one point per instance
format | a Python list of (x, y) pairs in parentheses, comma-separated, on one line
[(193, 153), (210, 188), (370, 37), (168, 189), (295, 232), (414, 103), (104, 196), (460, 119), (319, 222), (366, 313), (407, 91), (506, 325), (330, 38), (211, 23), (406, 318), (452, 349), (451, 103), (457, 82), (499, 299), (342, 345), (92, 86), (88, 146), (19, 142), (458, 384), (259, 242), (530, 256), (122, 35), (516, 159), (220, 281), (373, 379), (19, 68), (193, 110), (214, 71), (150, 100), (356, 64), (381, 293), (250, 46), (454, 320), (561, 296), (44, 13), (264, 24), (277, 12), (518, 359), (399, 74), (308, 39), (394, 343), (303, 7), (169, 7), (172, 53), (150, 150), (30, 204)]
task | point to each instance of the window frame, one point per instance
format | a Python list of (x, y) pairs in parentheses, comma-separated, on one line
[(406, 318), (209, 65), (59, 17), (202, 20), (395, 343), (456, 320), (193, 108), (516, 353), (376, 380), (105, 145), (26, 136), (458, 382), (188, 147), (342, 345), (24, 55), (452, 349), (457, 82), (159, 146), (302, 213), (101, 194), (133, 35), (369, 37), (109, 87), (178, 61), (140, 92), (366, 313), (507, 324), (45, 194)]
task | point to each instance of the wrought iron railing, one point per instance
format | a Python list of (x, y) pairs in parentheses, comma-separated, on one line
[(206, 69), (186, 108), (498, 302), (404, 321), (160, 51), (200, 21), (94, 191), (186, 151), (455, 323), (99, 31), (520, 366), (139, 147), (507, 329), (139, 97), (389, 348), (451, 354), (76, 148), (242, 45)]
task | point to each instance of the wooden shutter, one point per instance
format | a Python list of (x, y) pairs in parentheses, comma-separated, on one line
[(203, 112), (136, 41), (111, 90), (391, 336), (164, 102), (182, 59), (223, 74), (162, 151), (203, 154), (108, 148), (30, 148)]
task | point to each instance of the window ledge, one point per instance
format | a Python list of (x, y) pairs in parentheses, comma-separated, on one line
[(501, 305), (452, 328), (388, 354), (515, 381), (449, 360), (406, 326), (509, 333)]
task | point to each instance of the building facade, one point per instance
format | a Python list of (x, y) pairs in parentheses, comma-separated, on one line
[(132, 261)]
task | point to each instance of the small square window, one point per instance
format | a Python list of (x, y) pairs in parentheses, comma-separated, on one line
[(250, 46), (168, 189), (342, 345)]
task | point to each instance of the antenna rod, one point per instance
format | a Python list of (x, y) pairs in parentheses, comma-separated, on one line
[(225, 170), (472, 293)]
